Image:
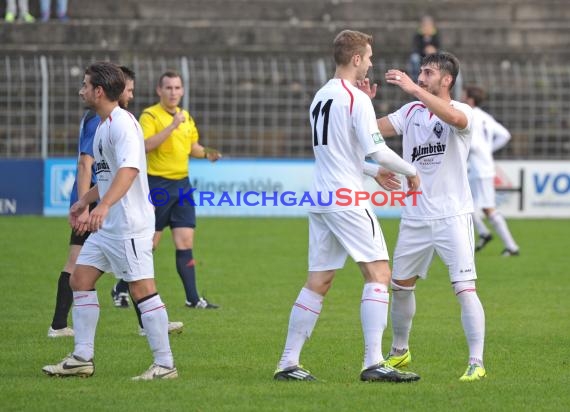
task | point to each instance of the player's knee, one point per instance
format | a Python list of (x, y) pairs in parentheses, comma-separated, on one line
[(398, 285), (464, 286), (141, 288), (376, 272), (76, 283), (320, 282)]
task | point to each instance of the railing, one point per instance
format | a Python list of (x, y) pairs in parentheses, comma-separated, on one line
[(258, 106)]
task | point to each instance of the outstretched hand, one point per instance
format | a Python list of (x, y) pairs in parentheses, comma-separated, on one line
[(387, 180), (364, 85)]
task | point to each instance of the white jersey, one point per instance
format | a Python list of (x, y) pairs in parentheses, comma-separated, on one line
[(345, 130), (119, 143), (486, 131), (439, 153)]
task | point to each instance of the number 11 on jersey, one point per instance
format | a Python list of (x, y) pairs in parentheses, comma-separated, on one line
[(325, 112)]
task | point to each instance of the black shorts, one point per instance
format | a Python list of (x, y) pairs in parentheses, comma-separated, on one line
[(79, 240), (174, 205)]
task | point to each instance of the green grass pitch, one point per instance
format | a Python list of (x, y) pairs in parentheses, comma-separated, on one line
[(254, 269)]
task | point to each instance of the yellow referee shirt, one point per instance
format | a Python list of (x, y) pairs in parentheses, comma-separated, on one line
[(170, 159)]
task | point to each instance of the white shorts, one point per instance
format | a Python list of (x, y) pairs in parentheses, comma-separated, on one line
[(333, 236), (451, 238), (483, 192), (129, 259)]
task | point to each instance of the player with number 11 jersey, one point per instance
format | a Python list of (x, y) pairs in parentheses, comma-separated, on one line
[(345, 131)]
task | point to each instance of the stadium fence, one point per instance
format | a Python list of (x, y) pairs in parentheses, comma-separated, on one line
[(257, 106)]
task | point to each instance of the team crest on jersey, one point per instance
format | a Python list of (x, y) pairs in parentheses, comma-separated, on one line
[(377, 137), (438, 129)]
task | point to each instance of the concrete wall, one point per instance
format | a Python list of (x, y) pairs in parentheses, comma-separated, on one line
[(468, 28)]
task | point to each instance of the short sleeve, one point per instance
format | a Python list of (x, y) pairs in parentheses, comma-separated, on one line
[(148, 124), (398, 118), (128, 143), (366, 125), (468, 111), (88, 135), (194, 135)]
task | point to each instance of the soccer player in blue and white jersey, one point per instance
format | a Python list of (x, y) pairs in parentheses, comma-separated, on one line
[(344, 133)]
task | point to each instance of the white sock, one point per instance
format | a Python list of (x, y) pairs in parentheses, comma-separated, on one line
[(302, 321), (374, 318), (155, 322), (500, 225), (85, 314), (482, 229), (472, 318), (402, 312)]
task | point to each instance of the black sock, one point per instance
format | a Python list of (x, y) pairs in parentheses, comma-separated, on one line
[(137, 310), (63, 302), (121, 287), (185, 267)]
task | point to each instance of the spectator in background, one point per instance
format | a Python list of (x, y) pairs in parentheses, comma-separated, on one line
[(426, 41), (488, 137), (61, 9), (11, 11)]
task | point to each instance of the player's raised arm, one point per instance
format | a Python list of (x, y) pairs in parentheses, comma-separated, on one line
[(437, 77), (437, 105)]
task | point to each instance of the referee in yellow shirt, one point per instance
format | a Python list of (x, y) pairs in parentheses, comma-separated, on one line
[(170, 137)]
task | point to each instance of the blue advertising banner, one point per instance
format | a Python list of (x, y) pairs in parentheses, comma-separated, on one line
[(276, 187), (59, 175), (250, 187), (261, 187), (533, 188), (21, 186), (230, 187)]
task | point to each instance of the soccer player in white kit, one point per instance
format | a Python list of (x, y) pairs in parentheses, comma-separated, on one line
[(436, 137), (344, 133), (488, 137), (121, 226)]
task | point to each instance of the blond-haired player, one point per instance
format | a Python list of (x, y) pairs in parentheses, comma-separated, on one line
[(344, 133)]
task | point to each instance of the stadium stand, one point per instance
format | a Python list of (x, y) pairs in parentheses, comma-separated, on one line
[(283, 26), (252, 65)]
